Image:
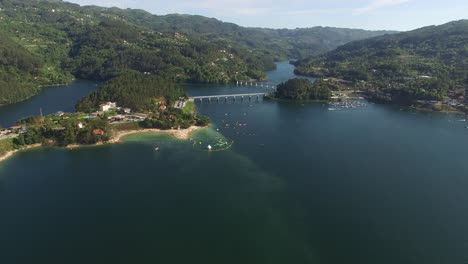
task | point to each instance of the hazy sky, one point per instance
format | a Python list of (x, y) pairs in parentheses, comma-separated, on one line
[(366, 14)]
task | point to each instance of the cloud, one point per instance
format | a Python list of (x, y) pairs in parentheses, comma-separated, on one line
[(378, 4)]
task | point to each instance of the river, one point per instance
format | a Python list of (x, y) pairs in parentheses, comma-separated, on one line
[(301, 184), (50, 100)]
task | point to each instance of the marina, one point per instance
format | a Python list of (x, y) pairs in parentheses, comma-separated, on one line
[(346, 104)]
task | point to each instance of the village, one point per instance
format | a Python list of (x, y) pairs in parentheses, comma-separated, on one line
[(115, 115), (454, 101)]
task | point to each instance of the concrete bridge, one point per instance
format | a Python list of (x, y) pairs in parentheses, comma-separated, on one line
[(228, 97)]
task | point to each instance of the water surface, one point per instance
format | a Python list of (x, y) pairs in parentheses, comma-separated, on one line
[(301, 185), (50, 100)]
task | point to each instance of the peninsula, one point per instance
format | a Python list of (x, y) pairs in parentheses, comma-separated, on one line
[(131, 103)]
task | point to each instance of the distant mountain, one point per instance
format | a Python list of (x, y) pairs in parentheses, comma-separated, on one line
[(427, 63), (282, 44), (60, 41)]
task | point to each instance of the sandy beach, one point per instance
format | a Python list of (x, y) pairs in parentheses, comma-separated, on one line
[(182, 134), (12, 152)]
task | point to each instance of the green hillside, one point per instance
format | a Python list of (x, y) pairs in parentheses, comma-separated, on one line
[(279, 44), (18, 68), (61, 41), (426, 64)]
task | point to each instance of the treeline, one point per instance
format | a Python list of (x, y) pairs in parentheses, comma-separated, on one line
[(427, 63), (140, 92), (173, 118), (53, 130), (303, 90)]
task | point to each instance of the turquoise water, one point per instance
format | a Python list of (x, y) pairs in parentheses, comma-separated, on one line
[(301, 184)]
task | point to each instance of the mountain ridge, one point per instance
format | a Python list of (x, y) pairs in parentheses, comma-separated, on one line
[(101, 43), (424, 64)]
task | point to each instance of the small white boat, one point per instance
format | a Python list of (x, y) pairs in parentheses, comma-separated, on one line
[(156, 148), (209, 147)]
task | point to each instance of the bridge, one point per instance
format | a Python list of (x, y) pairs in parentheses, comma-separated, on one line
[(257, 84), (226, 97), (257, 96)]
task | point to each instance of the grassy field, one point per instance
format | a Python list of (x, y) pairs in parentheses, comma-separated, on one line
[(189, 108), (126, 126)]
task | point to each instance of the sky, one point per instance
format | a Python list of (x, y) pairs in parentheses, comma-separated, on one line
[(366, 14)]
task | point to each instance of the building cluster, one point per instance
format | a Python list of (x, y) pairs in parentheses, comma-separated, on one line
[(115, 115), (180, 104), (109, 106), (123, 115), (12, 132), (454, 102), (119, 119)]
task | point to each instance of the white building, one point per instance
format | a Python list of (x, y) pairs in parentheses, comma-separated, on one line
[(107, 106)]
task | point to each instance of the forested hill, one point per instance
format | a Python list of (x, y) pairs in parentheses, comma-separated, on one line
[(137, 91), (428, 63), (281, 44), (17, 68), (60, 40)]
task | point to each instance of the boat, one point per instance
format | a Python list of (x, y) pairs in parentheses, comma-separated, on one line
[(209, 147)]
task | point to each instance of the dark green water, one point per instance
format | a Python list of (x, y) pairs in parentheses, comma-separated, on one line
[(50, 100), (301, 185)]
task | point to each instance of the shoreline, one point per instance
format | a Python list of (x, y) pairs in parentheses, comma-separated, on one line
[(10, 153), (181, 134)]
